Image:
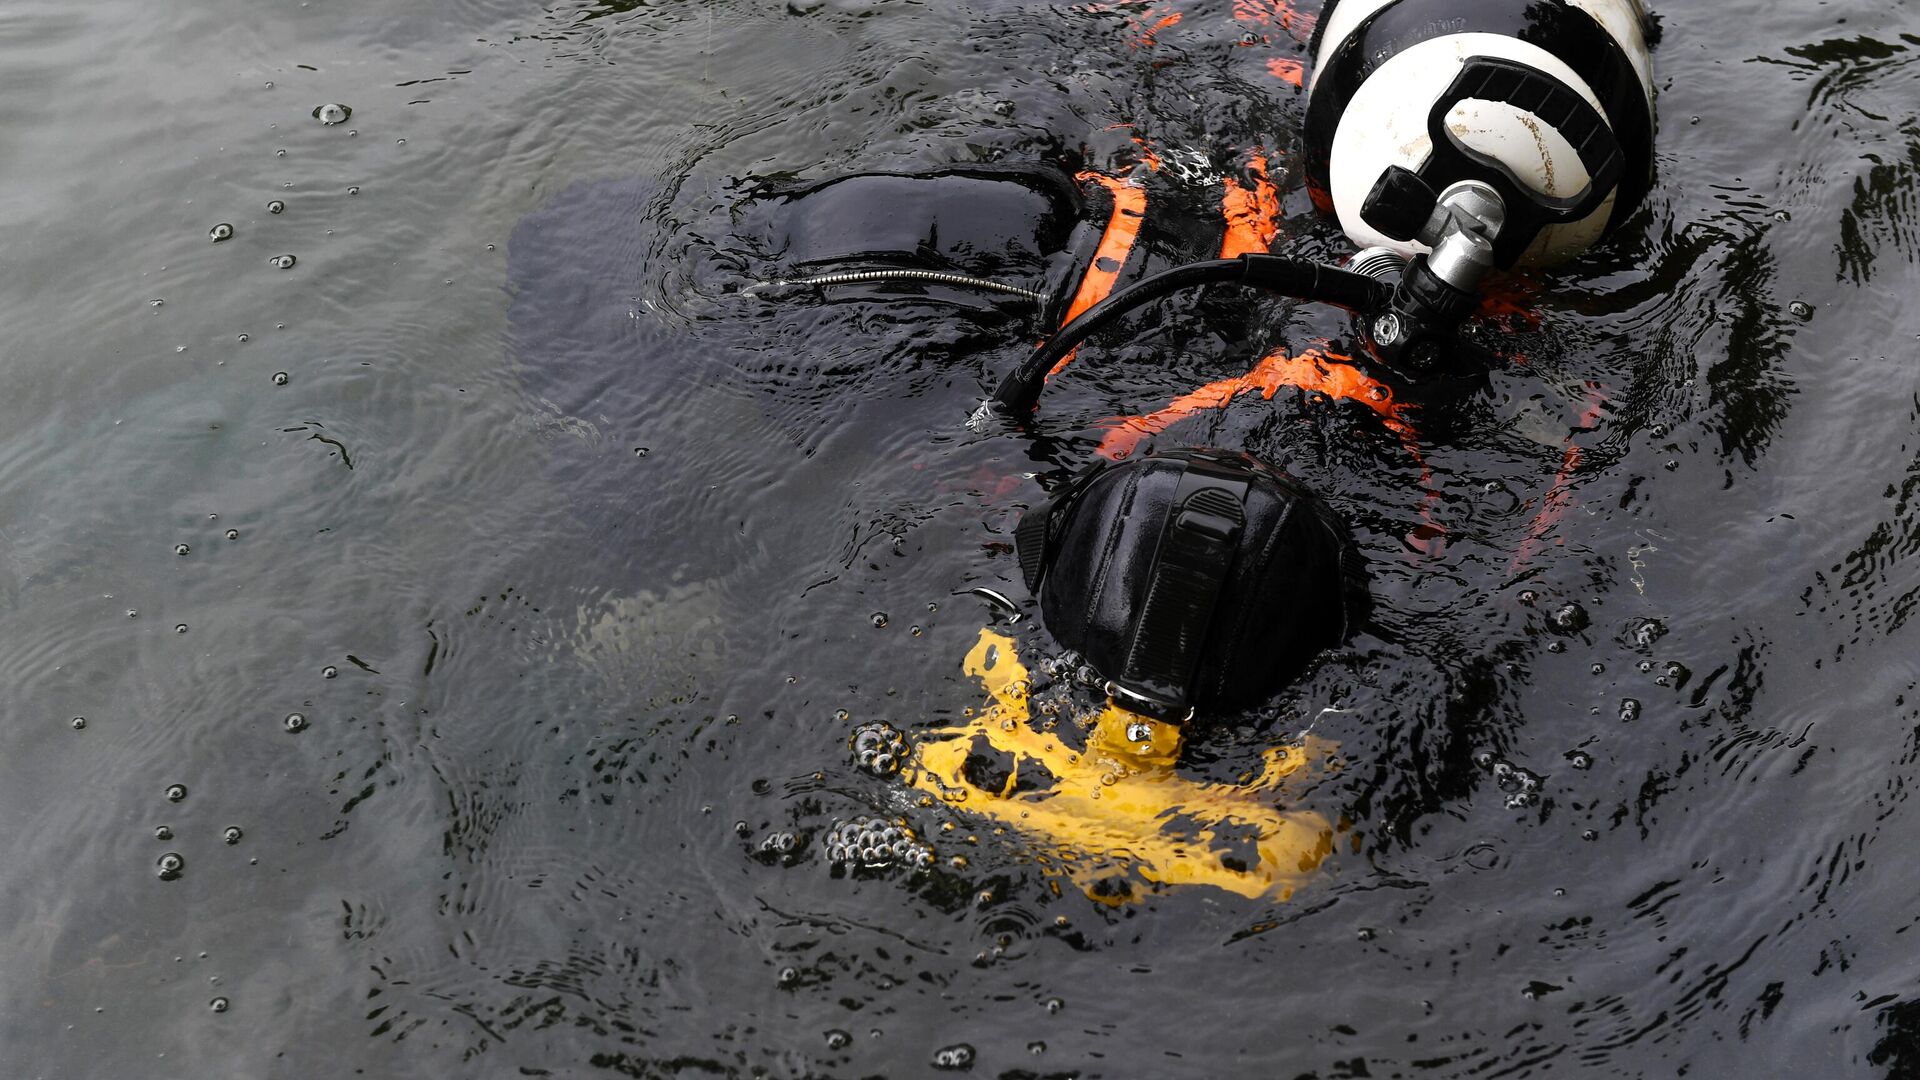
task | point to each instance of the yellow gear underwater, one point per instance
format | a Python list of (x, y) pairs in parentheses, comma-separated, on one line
[(1114, 812)]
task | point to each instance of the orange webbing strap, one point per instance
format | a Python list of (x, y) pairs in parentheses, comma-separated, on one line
[(1288, 70), (1313, 371), (1560, 495), (1278, 13), (1116, 243), (1252, 213)]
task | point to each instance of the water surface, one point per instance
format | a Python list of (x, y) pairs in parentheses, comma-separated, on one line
[(569, 556)]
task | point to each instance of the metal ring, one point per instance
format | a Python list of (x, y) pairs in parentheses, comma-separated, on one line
[(1153, 707)]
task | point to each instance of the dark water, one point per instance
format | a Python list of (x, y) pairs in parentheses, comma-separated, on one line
[(568, 556)]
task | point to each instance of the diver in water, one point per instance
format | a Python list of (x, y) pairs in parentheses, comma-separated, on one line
[(1451, 140)]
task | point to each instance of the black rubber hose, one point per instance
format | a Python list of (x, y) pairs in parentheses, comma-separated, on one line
[(1020, 390)]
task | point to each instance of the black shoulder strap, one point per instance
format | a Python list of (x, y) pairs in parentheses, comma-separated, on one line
[(1190, 570)]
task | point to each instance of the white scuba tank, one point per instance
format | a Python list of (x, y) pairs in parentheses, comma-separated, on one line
[(1531, 97)]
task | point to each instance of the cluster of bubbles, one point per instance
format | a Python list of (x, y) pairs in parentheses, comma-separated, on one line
[(957, 1056), (874, 843), (782, 847), (1522, 786), (878, 748)]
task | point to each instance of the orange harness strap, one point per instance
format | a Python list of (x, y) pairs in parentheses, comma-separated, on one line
[(1116, 243), (1313, 371), (1252, 213)]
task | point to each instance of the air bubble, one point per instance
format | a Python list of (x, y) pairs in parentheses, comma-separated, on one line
[(176, 792), (170, 866), (283, 262), (222, 231), (231, 834), (780, 846), (275, 206), (331, 114), (955, 1057), (1569, 618), (295, 722), (874, 843)]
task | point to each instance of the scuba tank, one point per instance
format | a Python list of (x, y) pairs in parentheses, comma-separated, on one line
[(1450, 138), (1545, 105), (1454, 137)]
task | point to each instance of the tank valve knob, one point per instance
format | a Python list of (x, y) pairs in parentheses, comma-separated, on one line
[(1399, 204)]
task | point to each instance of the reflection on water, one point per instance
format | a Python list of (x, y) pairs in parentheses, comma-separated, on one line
[(567, 552)]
